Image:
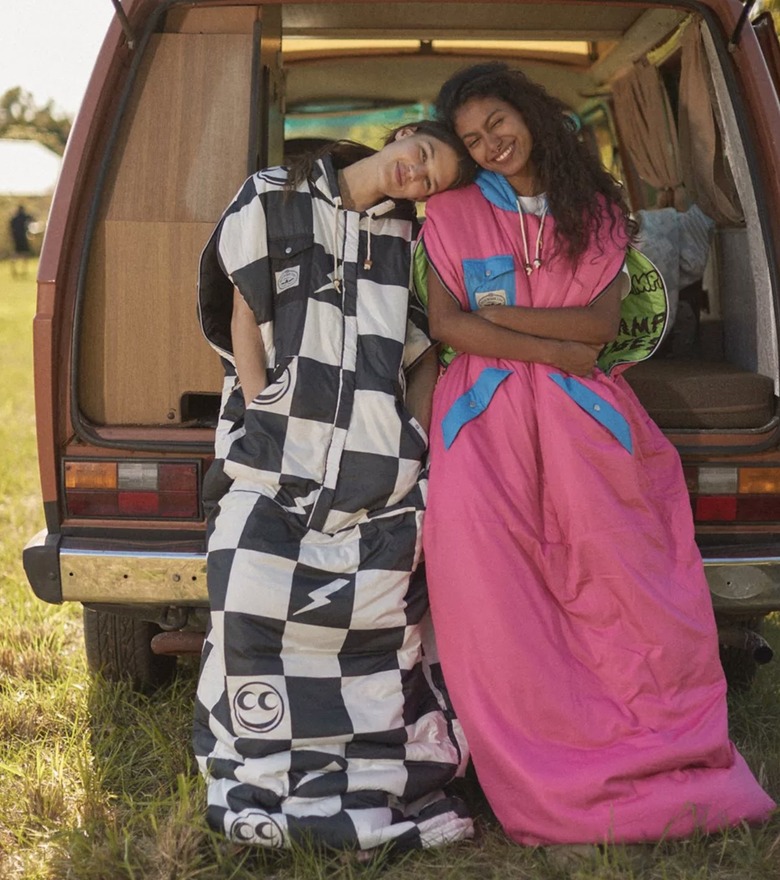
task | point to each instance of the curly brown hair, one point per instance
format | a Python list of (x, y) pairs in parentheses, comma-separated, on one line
[(570, 174)]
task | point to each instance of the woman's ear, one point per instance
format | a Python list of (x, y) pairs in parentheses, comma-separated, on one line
[(406, 131)]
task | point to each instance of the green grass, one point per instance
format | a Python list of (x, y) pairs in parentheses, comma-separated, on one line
[(98, 782)]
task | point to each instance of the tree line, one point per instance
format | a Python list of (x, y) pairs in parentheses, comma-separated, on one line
[(21, 117)]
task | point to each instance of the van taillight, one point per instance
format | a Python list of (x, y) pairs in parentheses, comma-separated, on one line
[(132, 489), (734, 494)]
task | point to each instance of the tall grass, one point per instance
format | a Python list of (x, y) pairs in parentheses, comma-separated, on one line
[(98, 782)]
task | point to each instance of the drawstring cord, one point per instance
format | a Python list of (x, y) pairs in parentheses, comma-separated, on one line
[(529, 266), (336, 278), (368, 262), (381, 208)]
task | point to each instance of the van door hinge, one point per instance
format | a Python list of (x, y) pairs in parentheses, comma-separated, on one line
[(746, 10), (122, 16)]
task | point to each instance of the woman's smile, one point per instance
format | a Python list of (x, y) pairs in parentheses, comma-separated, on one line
[(504, 154), (499, 140)]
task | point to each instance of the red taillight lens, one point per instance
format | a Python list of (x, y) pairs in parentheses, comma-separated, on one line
[(132, 489), (715, 508), (722, 493)]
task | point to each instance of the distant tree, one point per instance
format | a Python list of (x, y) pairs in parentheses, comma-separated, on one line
[(21, 117)]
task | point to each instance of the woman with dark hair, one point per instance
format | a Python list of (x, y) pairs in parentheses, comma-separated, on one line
[(320, 714), (571, 610)]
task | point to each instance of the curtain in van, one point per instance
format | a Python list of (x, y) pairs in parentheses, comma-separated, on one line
[(705, 167), (648, 132)]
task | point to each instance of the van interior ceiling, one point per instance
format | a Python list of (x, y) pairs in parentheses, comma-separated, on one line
[(647, 84)]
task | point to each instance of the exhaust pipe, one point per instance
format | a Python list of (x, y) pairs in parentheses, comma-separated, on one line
[(747, 640), (177, 643)]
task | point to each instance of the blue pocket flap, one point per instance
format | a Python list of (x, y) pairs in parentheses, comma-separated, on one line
[(490, 281), (469, 405), (598, 408)]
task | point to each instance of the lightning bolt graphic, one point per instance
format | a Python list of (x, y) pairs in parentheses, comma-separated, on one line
[(321, 596)]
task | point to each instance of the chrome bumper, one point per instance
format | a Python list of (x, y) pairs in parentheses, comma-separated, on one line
[(61, 573), (746, 584)]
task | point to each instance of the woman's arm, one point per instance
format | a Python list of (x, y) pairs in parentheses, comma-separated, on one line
[(248, 349), (596, 323), (468, 332)]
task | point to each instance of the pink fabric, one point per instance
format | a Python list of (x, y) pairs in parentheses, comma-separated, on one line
[(572, 614)]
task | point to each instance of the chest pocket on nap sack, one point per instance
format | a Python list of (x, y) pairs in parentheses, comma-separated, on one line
[(291, 263), (490, 282)]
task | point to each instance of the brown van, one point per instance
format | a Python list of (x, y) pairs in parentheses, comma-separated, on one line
[(188, 98)]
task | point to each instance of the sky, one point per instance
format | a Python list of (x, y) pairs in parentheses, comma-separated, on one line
[(48, 47)]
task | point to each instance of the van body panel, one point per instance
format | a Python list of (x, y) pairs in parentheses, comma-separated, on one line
[(171, 126)]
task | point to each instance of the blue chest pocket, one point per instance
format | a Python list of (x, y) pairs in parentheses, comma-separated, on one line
[(490, 282)]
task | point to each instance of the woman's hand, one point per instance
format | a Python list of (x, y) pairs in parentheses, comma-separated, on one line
[(491, 313), (577, 358)]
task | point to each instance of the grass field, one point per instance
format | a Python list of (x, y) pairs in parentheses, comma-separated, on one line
[(98, 783)]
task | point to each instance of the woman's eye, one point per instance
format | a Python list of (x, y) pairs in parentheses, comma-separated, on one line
[(428, 184)]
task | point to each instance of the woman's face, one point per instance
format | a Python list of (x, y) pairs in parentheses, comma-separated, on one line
[(415, 166), (498, 139)]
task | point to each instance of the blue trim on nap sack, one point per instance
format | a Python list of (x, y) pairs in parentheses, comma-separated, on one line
[(471, 404), (598, 408), (490, 281)]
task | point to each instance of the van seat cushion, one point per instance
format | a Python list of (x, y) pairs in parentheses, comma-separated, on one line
[(702, 394)]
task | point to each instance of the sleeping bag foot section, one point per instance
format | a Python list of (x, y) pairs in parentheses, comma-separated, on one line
[(321, 716)]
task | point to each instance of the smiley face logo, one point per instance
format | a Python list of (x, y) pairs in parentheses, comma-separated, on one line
[(255, 826), (276, 390), (258, 706)]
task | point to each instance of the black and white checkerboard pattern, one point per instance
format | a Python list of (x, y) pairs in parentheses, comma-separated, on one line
[(321, 713)]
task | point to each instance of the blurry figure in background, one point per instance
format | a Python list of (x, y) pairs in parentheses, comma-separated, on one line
[(20, 224)]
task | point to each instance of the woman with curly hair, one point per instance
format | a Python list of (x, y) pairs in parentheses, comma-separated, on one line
[(572, 613)]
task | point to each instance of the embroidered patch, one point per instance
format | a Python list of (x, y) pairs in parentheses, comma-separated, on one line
[(288, 278), (491, 298), (488, 278)]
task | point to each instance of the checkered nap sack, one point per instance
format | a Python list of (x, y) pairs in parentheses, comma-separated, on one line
[(319, 714)]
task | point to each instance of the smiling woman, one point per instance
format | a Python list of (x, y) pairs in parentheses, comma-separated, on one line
[(319, 486), (200, 94), (592, 685)]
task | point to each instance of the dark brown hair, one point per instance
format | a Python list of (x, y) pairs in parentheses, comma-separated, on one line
[(571, 175), (344, 153)]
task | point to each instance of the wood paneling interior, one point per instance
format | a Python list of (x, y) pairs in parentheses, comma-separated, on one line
[(141, 344), (212, 20), (181, 156), (183, 152)]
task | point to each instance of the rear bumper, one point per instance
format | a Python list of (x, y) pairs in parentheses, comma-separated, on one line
[(59, 570), (744, 584)]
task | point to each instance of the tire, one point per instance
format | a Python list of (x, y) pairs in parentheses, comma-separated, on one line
[(739, 666), (119, 648)]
